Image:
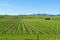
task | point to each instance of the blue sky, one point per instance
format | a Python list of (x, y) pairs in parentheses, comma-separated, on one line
[(22, 7)]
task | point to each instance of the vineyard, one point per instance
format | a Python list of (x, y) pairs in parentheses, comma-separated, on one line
[(29, 28)]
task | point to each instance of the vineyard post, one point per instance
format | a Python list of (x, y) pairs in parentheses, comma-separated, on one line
[(38, 36)]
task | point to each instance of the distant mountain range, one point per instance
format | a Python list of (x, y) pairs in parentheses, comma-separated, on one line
[(45, 15)]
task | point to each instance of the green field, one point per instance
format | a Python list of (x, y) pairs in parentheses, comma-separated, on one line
[(29, 28)]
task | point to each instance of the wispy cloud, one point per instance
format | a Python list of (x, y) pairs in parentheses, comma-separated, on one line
[(7, 8)]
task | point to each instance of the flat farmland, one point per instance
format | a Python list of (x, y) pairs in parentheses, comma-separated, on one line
[(30, 28)]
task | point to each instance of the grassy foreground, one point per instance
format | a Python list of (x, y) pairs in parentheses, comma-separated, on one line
[(29, 37)]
